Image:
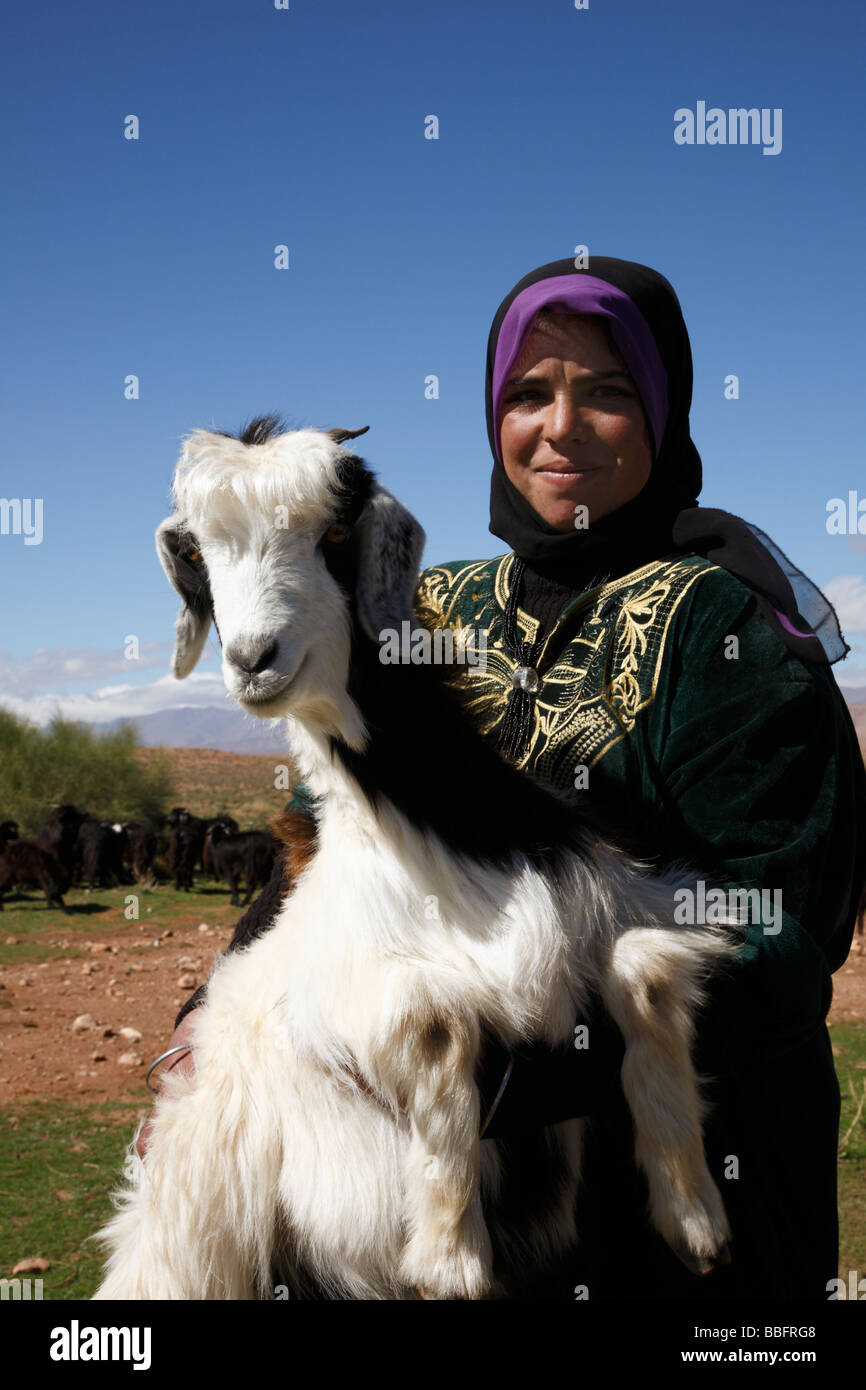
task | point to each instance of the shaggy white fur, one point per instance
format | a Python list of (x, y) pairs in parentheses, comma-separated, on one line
[(271, 1156)]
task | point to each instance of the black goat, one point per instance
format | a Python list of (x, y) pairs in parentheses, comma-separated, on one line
[(23, 862), (139, 849), (228, 823), (248, 855), (179, 816), (100, 846), (59, 835), (184, 851), (8, 831)]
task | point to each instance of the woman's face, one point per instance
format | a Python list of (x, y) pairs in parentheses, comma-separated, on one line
[(573, 425)]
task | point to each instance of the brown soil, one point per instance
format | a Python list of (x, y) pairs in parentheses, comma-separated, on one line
[(123, 981)]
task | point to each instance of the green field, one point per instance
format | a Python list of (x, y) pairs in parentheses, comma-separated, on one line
[(850, 1039), (57, 1162), (35, 929)]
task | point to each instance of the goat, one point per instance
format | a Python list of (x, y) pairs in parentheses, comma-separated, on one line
[(184, 850), (332, 1123), (194, 840), (23, 862), (248, 855), (100, 847), (8, 831), (139, 851), (59, 835), (228, 823)]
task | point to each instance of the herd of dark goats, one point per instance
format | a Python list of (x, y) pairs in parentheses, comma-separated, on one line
[(75, 848)]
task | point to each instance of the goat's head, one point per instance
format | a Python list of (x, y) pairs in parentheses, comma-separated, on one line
[(8, 831), (284, 539)]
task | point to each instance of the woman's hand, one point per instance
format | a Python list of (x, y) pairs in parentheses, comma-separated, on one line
[(180, 1061)]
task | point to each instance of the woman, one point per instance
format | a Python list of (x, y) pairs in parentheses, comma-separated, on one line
[(651, 655)]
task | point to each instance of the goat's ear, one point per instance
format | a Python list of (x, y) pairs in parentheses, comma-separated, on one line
[(190, 581), (390, 546)]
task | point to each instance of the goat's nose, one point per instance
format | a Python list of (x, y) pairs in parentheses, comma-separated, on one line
[(252, 657)]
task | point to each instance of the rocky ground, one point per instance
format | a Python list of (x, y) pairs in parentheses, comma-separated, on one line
[(89, 1025)]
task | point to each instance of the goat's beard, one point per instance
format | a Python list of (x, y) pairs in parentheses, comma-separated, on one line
[(317, 700)]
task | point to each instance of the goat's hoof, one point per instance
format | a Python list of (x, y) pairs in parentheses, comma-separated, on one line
[(701, 1265), (455, 1274)]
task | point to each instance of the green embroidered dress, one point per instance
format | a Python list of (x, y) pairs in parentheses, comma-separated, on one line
[(669, 697)]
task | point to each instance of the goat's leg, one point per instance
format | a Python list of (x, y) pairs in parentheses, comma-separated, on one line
[(233, 880), (651, 988), (431, 1063)]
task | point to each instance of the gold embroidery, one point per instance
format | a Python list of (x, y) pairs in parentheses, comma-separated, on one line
[(637, 615), (606, 672)]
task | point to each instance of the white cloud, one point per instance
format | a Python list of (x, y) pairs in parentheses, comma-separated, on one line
[(45, 670), (122, 701), (847, 593)]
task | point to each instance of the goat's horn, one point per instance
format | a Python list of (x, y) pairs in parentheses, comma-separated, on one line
[(339, 435)]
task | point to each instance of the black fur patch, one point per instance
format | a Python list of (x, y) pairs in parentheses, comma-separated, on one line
[(427, 758), (259, 430), (354, 486), (355, 483)]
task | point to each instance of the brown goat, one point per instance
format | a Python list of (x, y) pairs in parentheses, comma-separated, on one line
[(23, 862)]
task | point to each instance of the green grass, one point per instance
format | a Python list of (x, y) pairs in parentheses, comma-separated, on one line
[(850, 1039), (39, 932), (58, 1163)]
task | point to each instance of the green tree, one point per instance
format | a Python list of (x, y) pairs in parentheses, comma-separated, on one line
[(66, 762)]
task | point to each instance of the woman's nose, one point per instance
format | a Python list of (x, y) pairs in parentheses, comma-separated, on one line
[(565, 420)]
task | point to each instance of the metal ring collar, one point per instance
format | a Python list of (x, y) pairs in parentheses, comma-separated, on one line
[(181, 1047), (497, 1098)]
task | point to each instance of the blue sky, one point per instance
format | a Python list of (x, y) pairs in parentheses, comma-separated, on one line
[(305, 126)]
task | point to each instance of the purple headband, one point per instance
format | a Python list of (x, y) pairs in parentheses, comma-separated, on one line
[(584, 294)]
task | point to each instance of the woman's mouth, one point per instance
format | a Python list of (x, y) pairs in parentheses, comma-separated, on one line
[(559, 477)]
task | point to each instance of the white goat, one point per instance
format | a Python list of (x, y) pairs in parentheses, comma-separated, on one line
[(331, 1127)]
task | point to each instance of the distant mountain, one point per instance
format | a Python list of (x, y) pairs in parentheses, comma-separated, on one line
[(229, 730)]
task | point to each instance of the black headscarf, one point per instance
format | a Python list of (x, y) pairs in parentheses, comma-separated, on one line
[(665, 516)]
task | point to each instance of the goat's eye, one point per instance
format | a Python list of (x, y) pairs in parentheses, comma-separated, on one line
[(338, 532), (193, 555)]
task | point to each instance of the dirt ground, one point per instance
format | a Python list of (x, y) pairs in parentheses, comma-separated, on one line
[(136, 977), (132, 977)]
